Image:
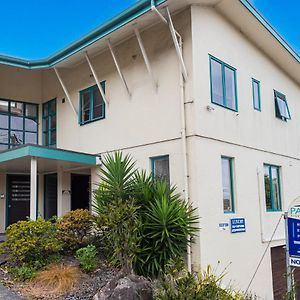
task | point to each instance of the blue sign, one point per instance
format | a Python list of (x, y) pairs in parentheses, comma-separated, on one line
[(238, 225), (294, 236)]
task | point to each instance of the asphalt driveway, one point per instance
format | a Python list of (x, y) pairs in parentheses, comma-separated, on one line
[(6, 294)]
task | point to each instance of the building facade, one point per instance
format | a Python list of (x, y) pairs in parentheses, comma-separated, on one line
[(218, 118)]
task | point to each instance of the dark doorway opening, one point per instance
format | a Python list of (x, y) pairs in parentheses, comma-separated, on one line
[(80, 191), (18, 202), (50, 196)]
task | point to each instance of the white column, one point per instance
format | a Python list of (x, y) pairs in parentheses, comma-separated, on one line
[(95, 179), (33, 188), (59, 194)]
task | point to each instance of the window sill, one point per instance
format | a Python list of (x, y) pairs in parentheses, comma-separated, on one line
[(218, 104), (274, 210), (91, 121)]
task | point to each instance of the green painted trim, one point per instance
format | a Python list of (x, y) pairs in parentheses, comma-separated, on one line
[(269, 27), (90, 90), (49, 153), (223, 66), (254, 81), (135, 11), (230, 160)]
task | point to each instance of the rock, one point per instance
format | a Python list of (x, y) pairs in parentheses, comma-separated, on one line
[(130, 287)]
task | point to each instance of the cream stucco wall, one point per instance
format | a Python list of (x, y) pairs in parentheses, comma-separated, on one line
[(252, 138)]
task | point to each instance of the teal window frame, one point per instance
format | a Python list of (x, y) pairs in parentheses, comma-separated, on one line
[(48, 118), (281, 97), (230, 160), (256, 82), (223, 67), (9, 114), (273, 206), (157, 158), (90, 90)]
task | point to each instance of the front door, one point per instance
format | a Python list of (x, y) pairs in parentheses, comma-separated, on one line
[(80, 191), (18, 202)]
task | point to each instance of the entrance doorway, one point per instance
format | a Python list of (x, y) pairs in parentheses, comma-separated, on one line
[(18, 201), (50, 196), (80, 191)]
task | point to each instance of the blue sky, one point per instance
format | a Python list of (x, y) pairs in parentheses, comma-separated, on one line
[(35, 29)]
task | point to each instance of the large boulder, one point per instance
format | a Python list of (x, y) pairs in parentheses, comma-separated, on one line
[(130, 287)]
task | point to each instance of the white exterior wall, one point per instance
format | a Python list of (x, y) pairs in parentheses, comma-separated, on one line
[(252, 138)]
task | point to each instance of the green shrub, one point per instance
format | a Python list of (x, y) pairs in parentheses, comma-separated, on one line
[(74, 229), (32, 243), (144, 222), (24, 273), (190, 286), (87, 258)]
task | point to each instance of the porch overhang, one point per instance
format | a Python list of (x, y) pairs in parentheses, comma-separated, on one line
[(18, 160)]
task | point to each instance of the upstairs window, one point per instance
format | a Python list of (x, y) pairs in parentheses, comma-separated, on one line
[(256, 94), (160, 167), (228, 185), (272, 187), (49, 123), (281, 107), (92, 106), (223, 84), (18, 123)]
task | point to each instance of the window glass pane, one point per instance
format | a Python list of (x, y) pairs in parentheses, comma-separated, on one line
[(45, 124), (30, 138), (97, 104), (3, 136), (161, 168), (3, 121), (45, 109), (267, 188), (275, 188), (16, 137), (256, 100), (3, 147), (30, 125), (31, 111), (230, 88), (53, 122), (86, 98), (53, 137), (16, 123), (3, 106), (216, 82), (52, 107), (227, 185), (46, 138), (17, 108), (282, 107)]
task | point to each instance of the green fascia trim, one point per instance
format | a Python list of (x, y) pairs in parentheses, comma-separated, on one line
[(127, 16), (48, 153), (269, 27)]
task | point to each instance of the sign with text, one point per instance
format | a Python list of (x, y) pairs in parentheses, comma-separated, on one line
[(238, 225), (294, 237)]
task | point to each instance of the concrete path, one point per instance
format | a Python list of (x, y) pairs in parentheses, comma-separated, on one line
[(6, 294)]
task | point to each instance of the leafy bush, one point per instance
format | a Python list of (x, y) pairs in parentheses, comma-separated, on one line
[(31, 243), (187, 286), (144, 222), (74, 229), (24, 272), (87, 258)]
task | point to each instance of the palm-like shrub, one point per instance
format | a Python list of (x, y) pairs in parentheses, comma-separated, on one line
[(144, 222)]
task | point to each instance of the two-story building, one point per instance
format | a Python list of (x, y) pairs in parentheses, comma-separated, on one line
[(204, 92)]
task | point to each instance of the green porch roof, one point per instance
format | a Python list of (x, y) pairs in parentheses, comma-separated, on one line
[(48, 153)]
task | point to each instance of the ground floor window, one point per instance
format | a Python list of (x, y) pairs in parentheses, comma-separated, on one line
[(160, 167), (18, 123), (272, 187), (227, 184)]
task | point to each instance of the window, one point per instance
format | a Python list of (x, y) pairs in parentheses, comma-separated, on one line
[(18, 123), (49, 123), (256, 94), (281, 107), (92, 106), (223, 84), (227, 183), (160, 167), (272, 188)]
